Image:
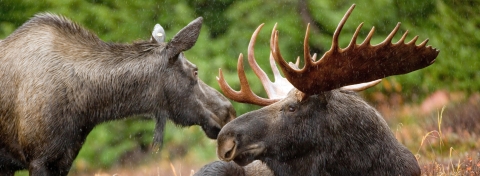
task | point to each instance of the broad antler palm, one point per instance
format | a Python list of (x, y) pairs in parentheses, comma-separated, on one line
[(357, 63), (347, 68)]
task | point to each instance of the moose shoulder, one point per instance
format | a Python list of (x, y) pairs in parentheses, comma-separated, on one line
[(322, 127), (60, 80)]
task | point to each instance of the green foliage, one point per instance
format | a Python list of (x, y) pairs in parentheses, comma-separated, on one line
[(451, 26), (117, 142), (107, 142)]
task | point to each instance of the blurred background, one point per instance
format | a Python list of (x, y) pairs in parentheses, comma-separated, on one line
[(435, 111)]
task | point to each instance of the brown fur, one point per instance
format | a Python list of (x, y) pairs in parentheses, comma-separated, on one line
[(59, 80)]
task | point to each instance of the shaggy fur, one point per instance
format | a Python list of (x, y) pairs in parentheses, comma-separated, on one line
[(59, 80)]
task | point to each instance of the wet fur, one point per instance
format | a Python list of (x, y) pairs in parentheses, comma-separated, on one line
[(59, 80)]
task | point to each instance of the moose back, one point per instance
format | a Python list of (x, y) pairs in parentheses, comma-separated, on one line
[(59, 80)]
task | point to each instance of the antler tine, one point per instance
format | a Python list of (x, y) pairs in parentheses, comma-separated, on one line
[(402, 40), (356, 63), (276, 73), (353, 42), (361, 86), (284, 66), (281, 85), (267, 84), (389, 38), (297, 63), (421, 45), (369, 37), (306, 50), (335, 47), (314, 57), (245, 95), (412, 42)]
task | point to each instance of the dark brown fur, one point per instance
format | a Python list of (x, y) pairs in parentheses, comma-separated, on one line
[(332, 133), (58, 81)]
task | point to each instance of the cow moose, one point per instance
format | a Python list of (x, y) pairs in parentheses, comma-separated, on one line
[(321, 126), (58, 81)]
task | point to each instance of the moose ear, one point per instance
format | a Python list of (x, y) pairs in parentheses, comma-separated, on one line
[(185, 38), (158, 34)]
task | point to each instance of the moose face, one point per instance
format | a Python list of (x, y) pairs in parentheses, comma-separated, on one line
[(219, 109), (293, 128), (277, 128), (192, 102)]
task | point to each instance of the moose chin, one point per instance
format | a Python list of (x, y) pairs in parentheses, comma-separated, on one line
[(58, 81), (314, 123)]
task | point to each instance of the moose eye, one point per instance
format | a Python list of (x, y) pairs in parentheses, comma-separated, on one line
[(291, 109)]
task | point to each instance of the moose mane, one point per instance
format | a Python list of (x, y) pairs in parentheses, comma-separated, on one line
[(68, 34)]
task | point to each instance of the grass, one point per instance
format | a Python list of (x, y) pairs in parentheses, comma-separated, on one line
[(445, 143)]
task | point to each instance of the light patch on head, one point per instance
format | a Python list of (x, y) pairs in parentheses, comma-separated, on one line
[(300, 95), (158, 33)]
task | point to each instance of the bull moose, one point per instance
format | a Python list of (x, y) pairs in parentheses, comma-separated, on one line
[(58, 81), (321, 126)]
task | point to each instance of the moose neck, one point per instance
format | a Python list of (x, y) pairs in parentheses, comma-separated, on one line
[(118, 86)]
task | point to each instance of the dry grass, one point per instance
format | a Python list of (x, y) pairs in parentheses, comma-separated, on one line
[(445, 143), (466, 166)]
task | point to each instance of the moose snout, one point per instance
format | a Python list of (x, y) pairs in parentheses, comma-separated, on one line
[(226, 148)]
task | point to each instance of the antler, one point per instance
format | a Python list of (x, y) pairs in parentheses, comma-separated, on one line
[(347, 68), (355, 64), (275, 90), (245, 95)]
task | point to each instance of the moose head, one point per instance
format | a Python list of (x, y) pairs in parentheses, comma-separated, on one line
[(313, 122), (187, 100)]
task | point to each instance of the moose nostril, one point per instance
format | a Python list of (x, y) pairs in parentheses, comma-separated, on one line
[(228, 154), (226, 149)]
